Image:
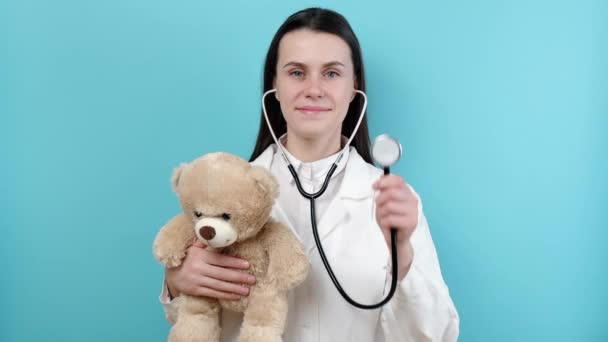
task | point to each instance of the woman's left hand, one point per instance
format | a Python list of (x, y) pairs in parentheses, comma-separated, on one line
[(397, 207)]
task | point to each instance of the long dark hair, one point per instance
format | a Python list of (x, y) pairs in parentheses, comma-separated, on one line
[(320, 20)]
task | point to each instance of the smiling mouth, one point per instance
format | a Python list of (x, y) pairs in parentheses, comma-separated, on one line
[(312, 110)]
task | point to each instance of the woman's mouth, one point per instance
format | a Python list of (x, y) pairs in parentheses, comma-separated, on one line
[(312, 109)]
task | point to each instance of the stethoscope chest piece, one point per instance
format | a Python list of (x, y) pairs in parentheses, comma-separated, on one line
[(386, 150)]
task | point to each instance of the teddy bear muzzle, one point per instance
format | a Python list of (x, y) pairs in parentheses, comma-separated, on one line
[(215, 232)]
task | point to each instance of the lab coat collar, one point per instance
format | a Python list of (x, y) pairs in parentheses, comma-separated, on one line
[(317, 169), (356, 173), (356, 185)]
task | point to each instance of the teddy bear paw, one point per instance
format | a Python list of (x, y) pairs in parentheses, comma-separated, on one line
[(172, 260)]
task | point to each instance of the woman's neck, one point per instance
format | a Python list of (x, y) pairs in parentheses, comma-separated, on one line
[(309, 150)]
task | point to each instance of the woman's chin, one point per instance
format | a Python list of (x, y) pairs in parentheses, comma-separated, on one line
[(312, 132)]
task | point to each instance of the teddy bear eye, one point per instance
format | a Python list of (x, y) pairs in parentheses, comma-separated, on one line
[(198, 213), (226, 216)]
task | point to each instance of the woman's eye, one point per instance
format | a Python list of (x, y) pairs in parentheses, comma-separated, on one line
[(198, 214), (226, 216), (297, 73), (332, 74)]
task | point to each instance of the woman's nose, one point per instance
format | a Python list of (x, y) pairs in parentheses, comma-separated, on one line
[(314, 87)]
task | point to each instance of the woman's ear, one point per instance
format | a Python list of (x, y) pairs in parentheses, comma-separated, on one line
[(177, 173), (276, 92), (356, 87), (265, 181)]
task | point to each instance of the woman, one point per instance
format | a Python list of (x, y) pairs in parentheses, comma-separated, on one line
[(314, 63)]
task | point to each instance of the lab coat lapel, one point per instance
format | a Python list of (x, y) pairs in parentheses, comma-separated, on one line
[(356, 185), (334, 215)]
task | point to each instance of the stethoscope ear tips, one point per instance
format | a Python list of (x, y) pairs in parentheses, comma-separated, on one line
[(386, 150)]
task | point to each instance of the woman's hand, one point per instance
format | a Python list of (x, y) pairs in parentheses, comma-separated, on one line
[(210, 274), (397, 207)]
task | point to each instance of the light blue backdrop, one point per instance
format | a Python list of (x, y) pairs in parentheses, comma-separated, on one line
[(501, 107)]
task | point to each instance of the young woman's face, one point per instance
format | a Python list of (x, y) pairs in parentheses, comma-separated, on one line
[(315, 83)]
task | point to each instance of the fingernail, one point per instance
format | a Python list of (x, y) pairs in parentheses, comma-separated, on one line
[(245, 263), (251, 279)]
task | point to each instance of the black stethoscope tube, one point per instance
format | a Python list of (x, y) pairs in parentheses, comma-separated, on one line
[(313, 220)]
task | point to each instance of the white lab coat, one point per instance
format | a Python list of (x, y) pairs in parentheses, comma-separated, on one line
[(421, 309)]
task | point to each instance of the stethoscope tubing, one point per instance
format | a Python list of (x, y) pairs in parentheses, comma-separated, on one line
[(330, 271), (313, 218)]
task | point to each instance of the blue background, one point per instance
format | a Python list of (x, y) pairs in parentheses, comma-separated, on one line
[(501, 107)]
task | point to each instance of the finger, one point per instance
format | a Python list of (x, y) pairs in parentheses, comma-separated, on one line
[(389, 181), (230, 275), (208, 292), (392, 194), (195, 252), (224, 286), (199, 244), (222, 260), (392, 221), (396, 208), (405, 225)]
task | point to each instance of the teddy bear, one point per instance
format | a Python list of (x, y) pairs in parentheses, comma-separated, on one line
[(227, 205)]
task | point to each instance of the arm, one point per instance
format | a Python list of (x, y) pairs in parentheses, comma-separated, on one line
[(421, 309), (170, 305), (204, 273), (288, 264)]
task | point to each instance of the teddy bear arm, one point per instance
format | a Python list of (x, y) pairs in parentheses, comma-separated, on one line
[(172, 241), (288, 264)]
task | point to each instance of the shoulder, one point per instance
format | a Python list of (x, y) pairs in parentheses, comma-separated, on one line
[(265, 158)]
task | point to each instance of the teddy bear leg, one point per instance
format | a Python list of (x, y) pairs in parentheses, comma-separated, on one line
[(264, 318), (197, 321)]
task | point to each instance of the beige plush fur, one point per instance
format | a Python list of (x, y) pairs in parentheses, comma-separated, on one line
[(218, 184)]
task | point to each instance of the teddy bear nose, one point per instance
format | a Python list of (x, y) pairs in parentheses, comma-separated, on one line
[(207, 232)]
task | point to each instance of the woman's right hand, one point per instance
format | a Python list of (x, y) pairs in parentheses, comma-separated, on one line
[(210, 274)]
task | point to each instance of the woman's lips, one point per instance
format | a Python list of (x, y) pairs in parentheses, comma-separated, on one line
[(312, 109)]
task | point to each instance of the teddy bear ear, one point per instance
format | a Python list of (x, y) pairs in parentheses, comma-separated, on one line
[(177, 173), (265, 181)]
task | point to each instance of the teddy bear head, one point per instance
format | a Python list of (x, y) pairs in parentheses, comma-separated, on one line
[(227, 199)]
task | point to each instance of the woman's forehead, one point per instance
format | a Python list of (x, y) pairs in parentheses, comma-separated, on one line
[(312, 48)]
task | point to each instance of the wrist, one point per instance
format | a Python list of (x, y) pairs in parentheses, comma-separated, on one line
[(172, 292), (406, 257)]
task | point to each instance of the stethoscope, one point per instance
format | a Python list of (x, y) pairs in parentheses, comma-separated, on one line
[(386, 151)]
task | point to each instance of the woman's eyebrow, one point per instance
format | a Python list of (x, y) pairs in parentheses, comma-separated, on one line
[(294, 64), (303, 66), (334, 64)]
